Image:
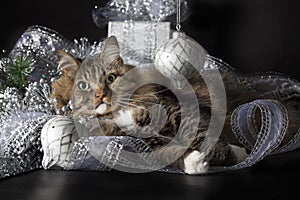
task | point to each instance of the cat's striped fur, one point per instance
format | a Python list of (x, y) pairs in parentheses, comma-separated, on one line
[(100, 88)]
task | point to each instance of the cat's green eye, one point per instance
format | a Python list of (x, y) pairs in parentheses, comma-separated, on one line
[(111, 78), (83, 85)]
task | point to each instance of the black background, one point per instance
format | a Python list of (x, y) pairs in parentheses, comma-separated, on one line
[(252, 36)]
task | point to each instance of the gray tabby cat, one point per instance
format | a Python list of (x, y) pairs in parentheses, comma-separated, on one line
[(102, 88)]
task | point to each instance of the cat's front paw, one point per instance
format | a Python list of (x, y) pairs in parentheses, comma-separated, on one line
[(141, 116), (195, 163)]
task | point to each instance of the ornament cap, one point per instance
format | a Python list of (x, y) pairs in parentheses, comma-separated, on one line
[(178, 34)]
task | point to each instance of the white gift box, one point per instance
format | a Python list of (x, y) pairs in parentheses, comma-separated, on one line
[(138, 40)]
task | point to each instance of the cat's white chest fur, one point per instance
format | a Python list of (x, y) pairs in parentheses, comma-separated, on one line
[(125, 120), (101, 109)]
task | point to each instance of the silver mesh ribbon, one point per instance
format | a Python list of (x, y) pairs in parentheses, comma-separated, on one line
[(20, 149), (106, 152), (262, 142)]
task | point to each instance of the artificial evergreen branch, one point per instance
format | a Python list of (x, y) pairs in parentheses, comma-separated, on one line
[(16, 71)]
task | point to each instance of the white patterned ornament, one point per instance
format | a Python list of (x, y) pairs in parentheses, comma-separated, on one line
[(57, 138), (177, 58)]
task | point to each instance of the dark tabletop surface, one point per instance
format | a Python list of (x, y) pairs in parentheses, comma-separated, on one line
[(275, 177)]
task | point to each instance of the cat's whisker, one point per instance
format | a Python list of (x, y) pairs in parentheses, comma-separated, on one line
[(141, 98), (129, 104), (138, 97), (134, 100), (142, 95), (123, 106), (129, 96), (151, 93)]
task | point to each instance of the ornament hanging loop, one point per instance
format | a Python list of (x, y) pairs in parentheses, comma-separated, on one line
[(178, 26)]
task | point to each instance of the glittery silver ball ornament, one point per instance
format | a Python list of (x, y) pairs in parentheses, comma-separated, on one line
[(178, 58), (57, 138)]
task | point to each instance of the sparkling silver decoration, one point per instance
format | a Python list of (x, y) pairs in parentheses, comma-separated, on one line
[(10, 100), (20, 149), (139, 10), (138, 40), (178, 58), (37, 98), (57, 137), (82, 48)]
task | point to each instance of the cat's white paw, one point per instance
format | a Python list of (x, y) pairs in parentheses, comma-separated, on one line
[(195, 163), (125, 120)]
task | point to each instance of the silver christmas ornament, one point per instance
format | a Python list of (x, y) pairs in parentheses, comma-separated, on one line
[(178, 58), (57, 138)]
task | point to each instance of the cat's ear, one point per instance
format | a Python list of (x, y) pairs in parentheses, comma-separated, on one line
[(110, 51), (67, 64)]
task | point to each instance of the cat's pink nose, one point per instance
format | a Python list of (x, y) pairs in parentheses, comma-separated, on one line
[(100, 95)]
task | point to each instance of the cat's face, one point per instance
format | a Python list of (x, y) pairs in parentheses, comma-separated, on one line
[(104, 84), (97, 80)]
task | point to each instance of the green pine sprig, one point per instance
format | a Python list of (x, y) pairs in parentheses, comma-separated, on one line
[(17, 72)]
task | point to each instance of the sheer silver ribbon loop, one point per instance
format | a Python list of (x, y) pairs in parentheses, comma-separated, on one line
[(274, 123)]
